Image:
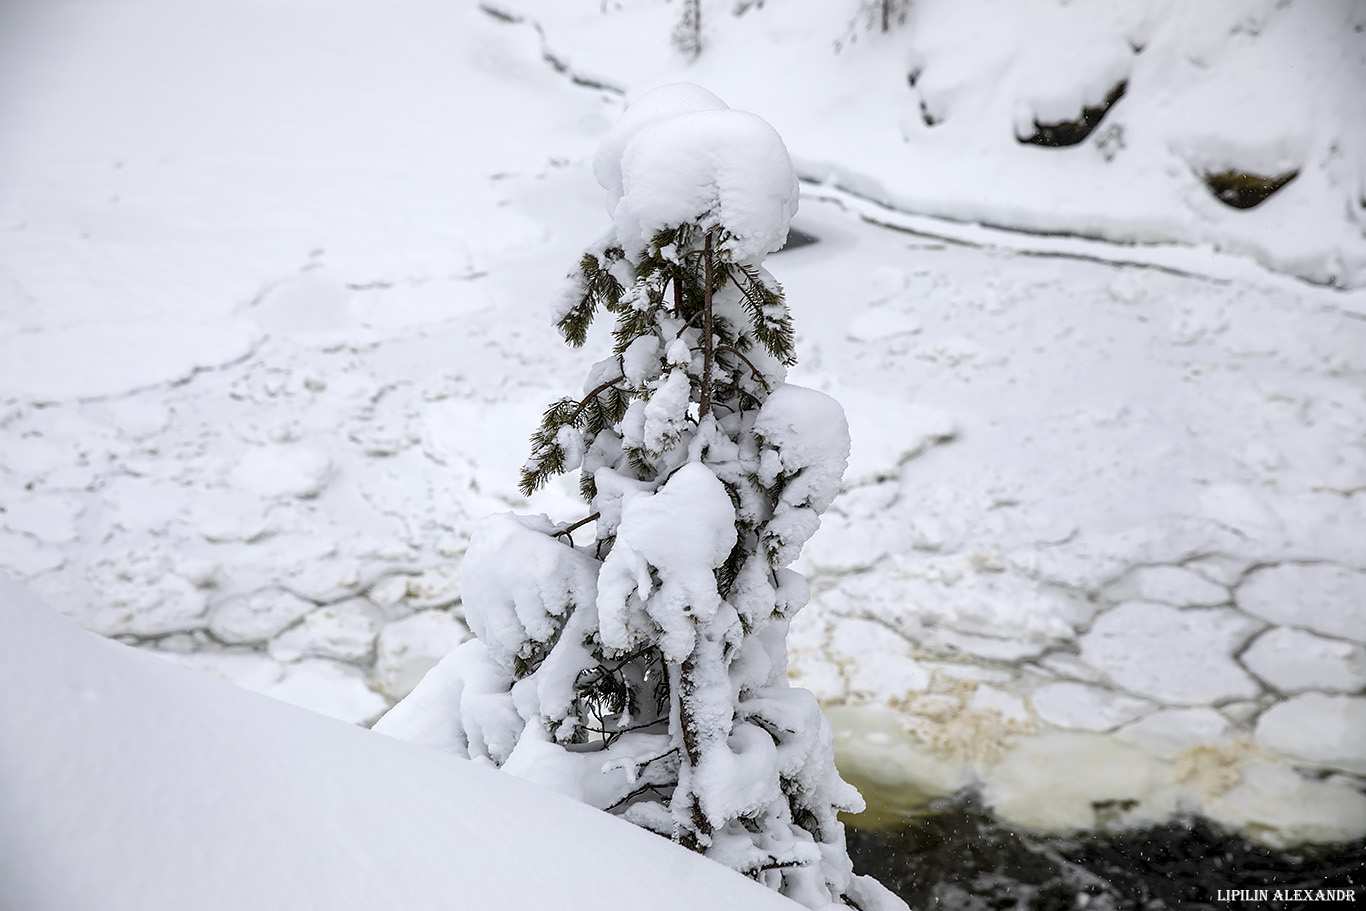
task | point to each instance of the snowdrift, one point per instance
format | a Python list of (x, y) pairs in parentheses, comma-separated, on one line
[(129, 783)]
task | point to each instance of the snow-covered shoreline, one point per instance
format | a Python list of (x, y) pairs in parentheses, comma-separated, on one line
[(943, 102)]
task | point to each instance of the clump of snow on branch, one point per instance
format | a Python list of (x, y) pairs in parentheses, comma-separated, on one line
[(721, 167), (645, 673), (678, 535)]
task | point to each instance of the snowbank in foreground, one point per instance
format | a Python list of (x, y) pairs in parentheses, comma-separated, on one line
[(134, 784)]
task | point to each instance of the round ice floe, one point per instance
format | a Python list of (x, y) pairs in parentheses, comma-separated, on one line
[(1064, 781), (25, 557), (284, 471), (1322, 597), (875, 661), (50, 518), (1172, 585), (716, 167), (987, 699), (972, 604), (314, 306), (1292, 660), (1315, 728), (1170, 731), (879, 447), (148, 606), (1277, 806), (345, 631), (252, 618), (1174, 656), (1091, 708)]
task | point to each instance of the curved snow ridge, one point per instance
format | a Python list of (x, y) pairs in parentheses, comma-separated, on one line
[(201, 795), (1151, 249)]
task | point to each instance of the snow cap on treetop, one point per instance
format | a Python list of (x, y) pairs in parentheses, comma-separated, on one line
[(679, 155), (655, 105)]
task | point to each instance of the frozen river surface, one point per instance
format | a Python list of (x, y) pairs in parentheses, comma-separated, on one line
[(273, 334)]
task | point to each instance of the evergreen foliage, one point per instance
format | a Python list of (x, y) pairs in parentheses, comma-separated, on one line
[(645, 673), (875, 15), (687, 36)]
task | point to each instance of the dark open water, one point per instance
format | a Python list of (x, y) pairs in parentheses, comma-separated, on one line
[(960, 858)]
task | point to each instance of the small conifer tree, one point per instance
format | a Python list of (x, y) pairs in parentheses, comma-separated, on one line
[(887, 13), (879, 15), (645, 672), (687, 35)]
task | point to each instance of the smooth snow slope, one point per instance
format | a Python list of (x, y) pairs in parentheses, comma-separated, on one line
[(129, 783)]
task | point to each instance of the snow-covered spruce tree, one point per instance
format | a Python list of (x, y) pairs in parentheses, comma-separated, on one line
[(645, 673)]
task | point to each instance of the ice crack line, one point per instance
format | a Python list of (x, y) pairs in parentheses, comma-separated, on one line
[(557, 63)]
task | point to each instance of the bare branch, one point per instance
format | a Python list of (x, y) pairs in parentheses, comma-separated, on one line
[(752, 369), (578, 524), (583, 402), (688, 324)]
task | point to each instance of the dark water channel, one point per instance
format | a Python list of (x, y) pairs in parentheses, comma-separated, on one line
[(960, 858)]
